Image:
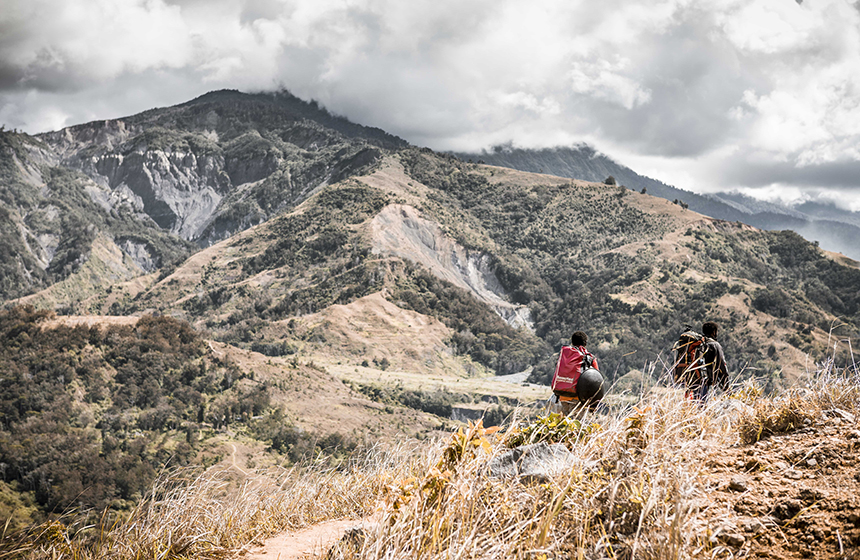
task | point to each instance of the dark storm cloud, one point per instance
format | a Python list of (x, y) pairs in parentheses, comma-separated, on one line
[(834, 175), (686, 88)]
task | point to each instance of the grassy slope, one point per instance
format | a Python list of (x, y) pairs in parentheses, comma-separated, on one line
[(93, 408), (631, 269), (662, 480)]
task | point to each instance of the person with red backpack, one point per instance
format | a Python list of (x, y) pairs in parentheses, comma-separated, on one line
[(577, 382), (700, 363)]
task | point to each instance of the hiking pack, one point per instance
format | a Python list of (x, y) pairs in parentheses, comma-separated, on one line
[(575, 363), (689, 356)]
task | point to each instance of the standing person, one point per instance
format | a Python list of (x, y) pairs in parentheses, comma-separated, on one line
[(716, 372), (577, 382), (700, 363)]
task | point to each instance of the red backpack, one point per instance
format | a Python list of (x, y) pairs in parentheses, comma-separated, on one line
[(572, 361)]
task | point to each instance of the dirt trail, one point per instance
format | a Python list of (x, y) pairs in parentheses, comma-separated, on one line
[(296, 545), (790, 496)]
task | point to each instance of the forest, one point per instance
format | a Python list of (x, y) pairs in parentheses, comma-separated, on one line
[(90, 415)]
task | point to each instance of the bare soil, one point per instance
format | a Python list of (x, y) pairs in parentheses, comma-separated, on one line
[(789, 496), (305, 543)]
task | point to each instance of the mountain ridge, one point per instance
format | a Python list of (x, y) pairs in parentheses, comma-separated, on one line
[(399, 280), (835, 229)]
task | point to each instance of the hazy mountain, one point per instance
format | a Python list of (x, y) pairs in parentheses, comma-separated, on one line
[(355, 211), (835, 229), (215, 165), (484, 251)]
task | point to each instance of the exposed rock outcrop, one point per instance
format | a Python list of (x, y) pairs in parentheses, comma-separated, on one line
[(538, 462), (400, 231)]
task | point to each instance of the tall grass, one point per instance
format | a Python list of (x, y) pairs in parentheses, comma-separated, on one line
[(213, 514), (633, 491)]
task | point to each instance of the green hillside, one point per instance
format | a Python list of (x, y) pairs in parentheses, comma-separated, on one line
[(570, 251), (628, 268), (90, 415)]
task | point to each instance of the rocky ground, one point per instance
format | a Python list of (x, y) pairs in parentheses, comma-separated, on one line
[(795, 495)]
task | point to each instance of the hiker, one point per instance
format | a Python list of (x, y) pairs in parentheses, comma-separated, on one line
[(577, 382), (700, 363)]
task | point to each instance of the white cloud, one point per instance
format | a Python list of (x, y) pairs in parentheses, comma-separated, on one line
[(605, 80), (96, 39), (708, 94)]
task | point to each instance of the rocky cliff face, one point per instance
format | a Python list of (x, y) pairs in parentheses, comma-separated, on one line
[(197, 172), (51, 217), (219, 164), (400, 231)]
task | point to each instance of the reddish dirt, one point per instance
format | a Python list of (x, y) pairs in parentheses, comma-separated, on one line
[(790, 496), (305, 543)]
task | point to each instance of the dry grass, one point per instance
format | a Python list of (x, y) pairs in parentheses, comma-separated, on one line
[(829, 390), (631, 494), (213, 515), (635, 491)]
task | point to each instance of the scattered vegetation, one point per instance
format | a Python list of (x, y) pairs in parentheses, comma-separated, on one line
[(551, 428), (478, 331), (208, 515), (88, 415), (634, 491), (556, 249)]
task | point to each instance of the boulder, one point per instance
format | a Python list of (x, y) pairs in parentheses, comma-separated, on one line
[(727, 412), (538, 462)]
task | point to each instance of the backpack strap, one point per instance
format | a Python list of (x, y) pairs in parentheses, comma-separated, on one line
[(587, 359)]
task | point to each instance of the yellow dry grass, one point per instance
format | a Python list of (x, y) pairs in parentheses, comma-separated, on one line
[(634, 491)]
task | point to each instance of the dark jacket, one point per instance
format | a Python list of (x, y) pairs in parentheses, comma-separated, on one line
[(715, 363)]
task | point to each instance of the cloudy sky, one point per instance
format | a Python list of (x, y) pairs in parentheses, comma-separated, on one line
[(757, 95)]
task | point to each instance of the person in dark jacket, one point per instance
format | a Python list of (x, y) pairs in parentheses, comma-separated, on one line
[(716, 373)]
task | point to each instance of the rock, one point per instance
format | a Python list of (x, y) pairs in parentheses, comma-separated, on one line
[(751, 525), (733, 539), (537, 462), (729, 411), (781, 466), (787, 508), (738, 484), (811, 462)]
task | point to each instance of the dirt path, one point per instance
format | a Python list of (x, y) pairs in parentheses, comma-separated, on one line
[(791, 496), (233, 460), (303, 543)]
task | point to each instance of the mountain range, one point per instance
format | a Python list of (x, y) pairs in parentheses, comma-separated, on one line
[(833, 228), (283, 248)]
